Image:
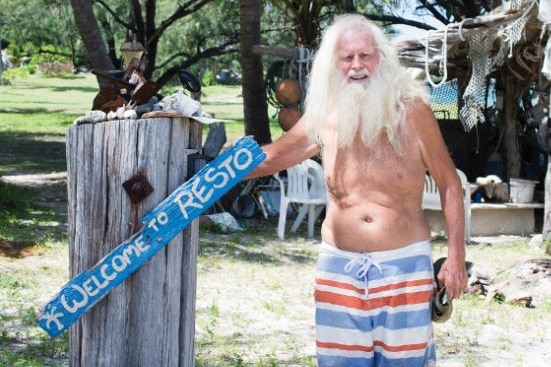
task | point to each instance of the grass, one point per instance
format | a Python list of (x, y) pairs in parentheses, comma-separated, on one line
[(261, 315), (254, 292), (35, 113), (69, 95)]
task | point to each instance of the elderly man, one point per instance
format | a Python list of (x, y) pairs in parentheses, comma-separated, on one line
[(377, 138)]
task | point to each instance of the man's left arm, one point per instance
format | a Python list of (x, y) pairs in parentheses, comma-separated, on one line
[(437, 160)]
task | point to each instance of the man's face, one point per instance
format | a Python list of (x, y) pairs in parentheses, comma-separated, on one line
[(357, 57)]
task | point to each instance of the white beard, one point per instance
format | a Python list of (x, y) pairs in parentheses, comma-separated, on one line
[(362, 109)]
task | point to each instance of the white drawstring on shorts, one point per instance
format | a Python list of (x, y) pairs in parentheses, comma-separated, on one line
[(365, 261)]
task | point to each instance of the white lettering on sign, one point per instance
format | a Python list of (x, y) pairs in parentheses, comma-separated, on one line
[(184, 204), (212, 176), (162, 223), (75, 305), (248, 159), (107, 272), (201, 193), (103, 272), (161, 218)]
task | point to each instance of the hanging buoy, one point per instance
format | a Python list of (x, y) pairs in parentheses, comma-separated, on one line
[(288, 92), (288, 117)]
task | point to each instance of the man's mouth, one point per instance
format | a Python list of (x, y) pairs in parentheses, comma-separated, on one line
[(358, 76)]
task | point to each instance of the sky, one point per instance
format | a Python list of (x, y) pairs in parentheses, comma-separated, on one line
[(408, 32)]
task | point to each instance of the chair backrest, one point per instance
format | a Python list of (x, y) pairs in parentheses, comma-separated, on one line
[(295, 186), (297, 182), (317, 189), (305, 182), (431, 196), (431, 199)]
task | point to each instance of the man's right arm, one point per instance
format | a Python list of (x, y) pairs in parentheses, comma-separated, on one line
[(291, 148)]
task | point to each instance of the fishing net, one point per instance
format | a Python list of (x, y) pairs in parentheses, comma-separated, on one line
[(444, 100), (474, 97)]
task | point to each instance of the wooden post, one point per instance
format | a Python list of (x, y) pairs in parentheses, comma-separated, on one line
[(149, 320)]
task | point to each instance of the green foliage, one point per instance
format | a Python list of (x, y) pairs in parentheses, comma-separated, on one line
[(12, 198), (9, 358), (10, 286), (33, 355), (34, 25), (50, 54), (211, 26), (26, 224), (207, 79)]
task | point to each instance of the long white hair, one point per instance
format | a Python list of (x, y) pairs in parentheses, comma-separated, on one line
[(381, 105)]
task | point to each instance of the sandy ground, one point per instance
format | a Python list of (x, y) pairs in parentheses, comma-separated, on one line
[(487, 333), (254, 296)]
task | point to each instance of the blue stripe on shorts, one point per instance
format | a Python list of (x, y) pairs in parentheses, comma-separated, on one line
[(374, 309)]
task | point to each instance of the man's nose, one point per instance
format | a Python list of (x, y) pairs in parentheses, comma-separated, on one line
[(356, 64)]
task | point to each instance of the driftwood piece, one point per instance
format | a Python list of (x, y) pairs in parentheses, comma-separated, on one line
[(460, 31), (457, 36), (289, 53), (149, 319), (216, 138), (522, 283)]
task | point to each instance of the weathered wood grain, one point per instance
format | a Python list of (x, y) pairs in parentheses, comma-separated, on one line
[(149, 319)]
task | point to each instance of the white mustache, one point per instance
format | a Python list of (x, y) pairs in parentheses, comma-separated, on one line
[(358, 73)]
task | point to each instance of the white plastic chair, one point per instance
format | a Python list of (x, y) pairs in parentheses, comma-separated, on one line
[(304, 185), (431, 199)]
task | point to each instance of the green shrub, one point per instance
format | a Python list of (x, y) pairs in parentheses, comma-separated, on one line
[(208, 78)]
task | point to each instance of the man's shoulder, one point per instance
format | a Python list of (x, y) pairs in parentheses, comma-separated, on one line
[(419, 112), (417, 104)]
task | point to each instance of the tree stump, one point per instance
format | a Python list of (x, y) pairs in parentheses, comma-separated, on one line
[(149, 320)]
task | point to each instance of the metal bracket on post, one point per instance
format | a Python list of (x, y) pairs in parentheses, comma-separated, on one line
[(138, 188)]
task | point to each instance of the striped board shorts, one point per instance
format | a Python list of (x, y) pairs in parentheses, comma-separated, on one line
[(374, 308)]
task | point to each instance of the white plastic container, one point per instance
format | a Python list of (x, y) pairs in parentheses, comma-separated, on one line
[(521, 191)]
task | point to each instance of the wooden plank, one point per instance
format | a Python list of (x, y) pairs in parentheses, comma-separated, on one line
[(216, 138), (159, 226), (185, 258), (506, 206), (101, 337), (289, 53)]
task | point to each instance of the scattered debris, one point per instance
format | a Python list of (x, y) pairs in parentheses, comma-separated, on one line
[(224, 221), (516, 285)]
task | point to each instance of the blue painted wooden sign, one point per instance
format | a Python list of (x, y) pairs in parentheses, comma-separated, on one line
[(159, 226)]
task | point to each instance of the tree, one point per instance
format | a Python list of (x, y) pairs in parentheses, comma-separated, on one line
[(309, 17), (40, 29), (140, 23), (91, 36), (255, 107)]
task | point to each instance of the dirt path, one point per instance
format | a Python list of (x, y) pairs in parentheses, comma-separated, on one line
[(51, 188)]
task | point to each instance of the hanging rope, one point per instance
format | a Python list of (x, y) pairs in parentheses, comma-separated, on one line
[(443, 66), (460, 29), (305, 59), (295, 68)]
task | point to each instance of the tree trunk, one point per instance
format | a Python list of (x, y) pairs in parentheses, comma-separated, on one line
[(255, 106), (148, 320), (91, 36), (510, 102)]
